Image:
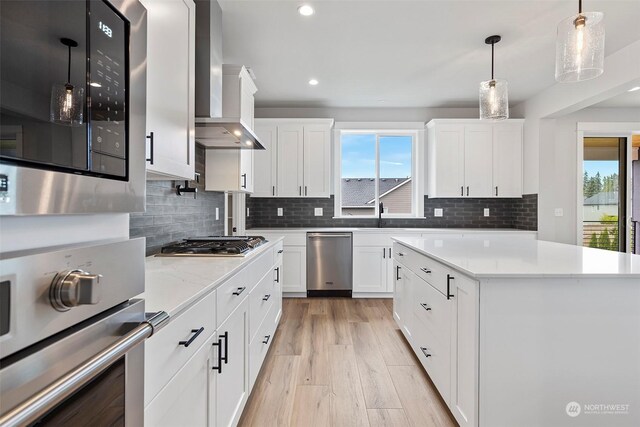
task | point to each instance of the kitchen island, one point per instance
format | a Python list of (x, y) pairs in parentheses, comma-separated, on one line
[(523, 332)]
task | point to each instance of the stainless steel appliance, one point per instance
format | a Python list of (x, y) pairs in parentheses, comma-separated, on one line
[(70, 335), (329, 264), (92, 164), (213, 246)]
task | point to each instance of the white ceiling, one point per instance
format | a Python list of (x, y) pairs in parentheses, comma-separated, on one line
[(420, 53), (624, 100)]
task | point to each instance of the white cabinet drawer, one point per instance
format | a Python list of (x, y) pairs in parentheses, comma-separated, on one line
[(164, 353), (260, 301), (261, 343), (258, 268), (435, 356), (432, 311), (424, 267), (231, 293)]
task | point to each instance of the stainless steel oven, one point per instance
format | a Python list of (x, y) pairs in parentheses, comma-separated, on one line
[(71, 336), (72, 106)]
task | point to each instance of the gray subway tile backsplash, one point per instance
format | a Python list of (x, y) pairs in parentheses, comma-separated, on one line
[(170, 217), (519, 213)]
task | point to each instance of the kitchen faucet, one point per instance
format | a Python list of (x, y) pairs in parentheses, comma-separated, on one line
[(380, 209)]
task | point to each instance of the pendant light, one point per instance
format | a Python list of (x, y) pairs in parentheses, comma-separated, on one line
[(66, 99), (494, 96), (580, 47)]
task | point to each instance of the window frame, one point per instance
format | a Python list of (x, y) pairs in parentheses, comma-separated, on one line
[(416, 131)]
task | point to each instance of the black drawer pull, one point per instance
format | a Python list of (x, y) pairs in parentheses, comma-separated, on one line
[(195, 333), (400, 254), (266, 339), (266, 297), (426, 270), (397, 272), (239, 290), (384, 252), (219, 345), (244, 180), (424, 351), (277, 274), (449, 279), (150, 138), (425, 306), (280, 251), (225, 358)]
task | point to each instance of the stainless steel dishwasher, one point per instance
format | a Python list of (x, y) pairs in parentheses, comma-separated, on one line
[(329, 264)]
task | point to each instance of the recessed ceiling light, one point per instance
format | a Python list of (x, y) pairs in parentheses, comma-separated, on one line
[(305, 10), (237, 133), (313, 82), (248, 142), (633, 89)]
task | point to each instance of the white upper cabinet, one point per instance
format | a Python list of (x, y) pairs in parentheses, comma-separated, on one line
[(264, 161), (507, 160), (470, 158), (229, 170), (238, 90), (170, 89), (299, 162)]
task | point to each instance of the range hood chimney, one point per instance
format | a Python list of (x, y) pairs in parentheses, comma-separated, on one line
[(218, 127)]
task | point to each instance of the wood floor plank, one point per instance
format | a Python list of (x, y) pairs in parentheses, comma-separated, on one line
[(272, 403), (354, 309), (387, 418), (348, 407), (311, 406), (394, 348), (293, 331), (419, 397), (337, 324), (319, 306), (314, 363), (377, 387)]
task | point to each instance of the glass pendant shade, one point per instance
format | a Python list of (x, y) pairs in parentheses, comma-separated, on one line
[(494, 100), (580, 47), (66, 105)]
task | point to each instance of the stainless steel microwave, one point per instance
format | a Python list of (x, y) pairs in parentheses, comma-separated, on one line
[(72, 106)]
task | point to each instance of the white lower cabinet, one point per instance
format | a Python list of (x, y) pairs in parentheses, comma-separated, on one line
[(232, 378), (294, 272), (184, 401), (437, 310), (197, 374), (370, 269)]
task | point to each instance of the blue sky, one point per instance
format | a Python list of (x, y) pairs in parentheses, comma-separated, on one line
[(359, 156), (605, 167)]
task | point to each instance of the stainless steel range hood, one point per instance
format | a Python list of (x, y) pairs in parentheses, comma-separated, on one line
[(219, 122)]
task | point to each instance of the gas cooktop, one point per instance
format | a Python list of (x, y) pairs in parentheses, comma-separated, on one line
[(213, 246)]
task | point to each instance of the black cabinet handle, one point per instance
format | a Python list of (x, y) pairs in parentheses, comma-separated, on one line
[(426, 270), (239, 290), (273, 190), (266, 297), (300, 191), (244, 180), (462, 190), (496, 191), (277, 274), (266, 339), (400, 254), (425, 306), (219, 346), (384, 252), (225, 358), (280, 251), (397, 272), (449, 279), (424, 351), (467, 190), (305, 190), (150, 138), (195, 333), (389, 253)]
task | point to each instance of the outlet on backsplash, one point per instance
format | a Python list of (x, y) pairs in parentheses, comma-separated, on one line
[(317, 212), (280, 212), (438, 212)]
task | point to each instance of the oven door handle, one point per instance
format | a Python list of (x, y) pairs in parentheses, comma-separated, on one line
[(49, 397)]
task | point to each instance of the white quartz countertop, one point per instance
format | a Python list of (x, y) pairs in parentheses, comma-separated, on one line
[(174, 283), (254, 231), (512, 257)]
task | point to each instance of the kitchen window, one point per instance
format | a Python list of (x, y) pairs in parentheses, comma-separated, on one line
[(377, 167)]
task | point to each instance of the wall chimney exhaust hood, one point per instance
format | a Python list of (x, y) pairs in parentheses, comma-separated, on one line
[(224, 93)]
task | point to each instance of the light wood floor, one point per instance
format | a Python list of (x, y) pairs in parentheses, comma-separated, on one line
[(342, 362)]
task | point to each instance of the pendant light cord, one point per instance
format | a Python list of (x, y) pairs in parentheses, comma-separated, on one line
[(492, 46), (69, 67), (579, 6)]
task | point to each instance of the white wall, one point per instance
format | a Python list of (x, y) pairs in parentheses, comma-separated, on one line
[(32, 232), (558, 180)]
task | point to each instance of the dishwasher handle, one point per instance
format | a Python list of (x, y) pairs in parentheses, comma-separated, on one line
[(322, 235)]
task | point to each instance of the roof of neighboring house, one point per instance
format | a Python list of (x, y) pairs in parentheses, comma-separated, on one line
[(602, 198), (360, 192)]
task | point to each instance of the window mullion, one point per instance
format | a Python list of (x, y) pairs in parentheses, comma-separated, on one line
[(377, 182)]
